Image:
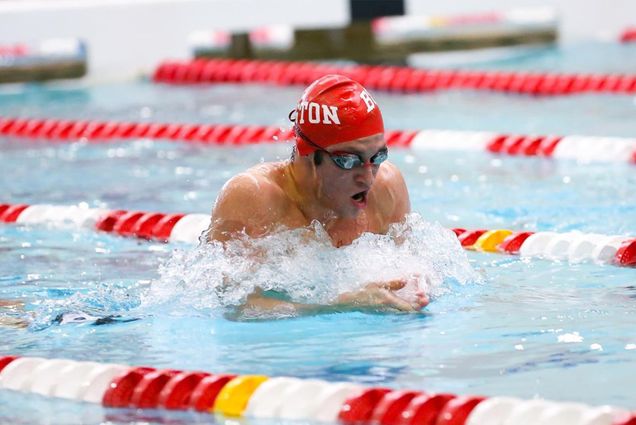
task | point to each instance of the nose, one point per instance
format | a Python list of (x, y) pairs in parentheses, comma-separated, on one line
[(365, 175)]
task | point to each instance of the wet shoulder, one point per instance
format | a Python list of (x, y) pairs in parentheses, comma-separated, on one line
[(256, 185), (389, 180), (392, 197), (251, 203)]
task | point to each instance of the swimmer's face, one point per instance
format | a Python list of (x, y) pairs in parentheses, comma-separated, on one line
[(347, 191)]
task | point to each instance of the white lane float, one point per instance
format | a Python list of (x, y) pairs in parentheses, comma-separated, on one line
[(584, 149), (286, 398), (188, 228)]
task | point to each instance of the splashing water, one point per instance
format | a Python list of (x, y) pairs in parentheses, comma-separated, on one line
[(303, 264), (105, 302)]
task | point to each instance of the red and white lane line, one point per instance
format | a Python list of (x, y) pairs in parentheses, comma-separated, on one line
[(73, 130), (259, 396), (628, 35), (146, 225), (187, 228), (390, 78), (580, 148)]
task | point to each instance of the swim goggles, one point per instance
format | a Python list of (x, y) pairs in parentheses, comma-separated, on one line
[(346, 161)]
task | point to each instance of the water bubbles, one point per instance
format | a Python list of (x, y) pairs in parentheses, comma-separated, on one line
[(303, 266), (570, 337), (146, 112)]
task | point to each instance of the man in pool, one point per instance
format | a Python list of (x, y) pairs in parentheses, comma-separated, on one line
[(337, 175)]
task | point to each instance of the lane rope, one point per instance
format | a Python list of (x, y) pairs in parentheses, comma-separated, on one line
[(618, 250), (390, 78), (284, 398), (628, 35), (580, 148)]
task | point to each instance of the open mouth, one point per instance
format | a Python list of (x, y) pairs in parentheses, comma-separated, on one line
[(360, 197)]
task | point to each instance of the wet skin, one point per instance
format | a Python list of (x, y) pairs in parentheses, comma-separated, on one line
[(292, 194)]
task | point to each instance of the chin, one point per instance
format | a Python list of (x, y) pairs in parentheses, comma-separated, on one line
[(350, 212)]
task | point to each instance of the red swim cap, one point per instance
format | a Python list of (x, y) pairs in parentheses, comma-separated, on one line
[(335, 109)]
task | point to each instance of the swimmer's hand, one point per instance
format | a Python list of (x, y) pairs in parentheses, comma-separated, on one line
[(374, 296), (382, 296)]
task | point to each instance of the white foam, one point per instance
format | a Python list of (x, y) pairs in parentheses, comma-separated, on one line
[(304, 265)]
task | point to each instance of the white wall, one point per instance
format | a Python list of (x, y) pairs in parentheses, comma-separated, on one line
[(129, 37), (580, 19)]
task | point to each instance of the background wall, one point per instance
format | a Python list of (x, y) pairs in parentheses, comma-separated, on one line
[(129, 37), (580, 19)]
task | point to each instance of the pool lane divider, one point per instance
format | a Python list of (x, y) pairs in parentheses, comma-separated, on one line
[(187, 228), (390, 78), (628, 35), (581, 148), (284, 398)]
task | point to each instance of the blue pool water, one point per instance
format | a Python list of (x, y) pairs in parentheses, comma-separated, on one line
[(509, 326)]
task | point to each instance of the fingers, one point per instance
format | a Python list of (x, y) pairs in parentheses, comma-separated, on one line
[(393, 301), (382, 295), (422, 300)]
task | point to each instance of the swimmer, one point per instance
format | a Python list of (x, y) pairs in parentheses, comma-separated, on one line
[(338, 175)]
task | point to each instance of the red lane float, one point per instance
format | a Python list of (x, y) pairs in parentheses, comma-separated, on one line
[(574, 246), (582, 148), (468, 238), (389, 78), (389, 410), (457, 410), (65, 130), (425, 409), (359, 409), (121, 388), (204, 393), (512, 244), (278, 398), (626, 254), (5, 360), (628, 35), (10, 213), (627, 420), (148, 389), (178, 391)]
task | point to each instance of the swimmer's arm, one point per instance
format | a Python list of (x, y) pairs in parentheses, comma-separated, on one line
[(247, 205), (257, 303), (375, 296)]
